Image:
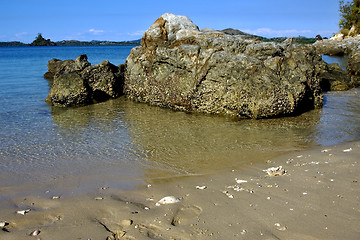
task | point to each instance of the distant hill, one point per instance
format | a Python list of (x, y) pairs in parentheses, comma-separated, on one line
[(231, 31), (12, 44), (300, 39)]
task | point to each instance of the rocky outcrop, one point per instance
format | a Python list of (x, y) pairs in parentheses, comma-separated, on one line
[(338, 46), (77, 82), (179, 67), (354, 61)]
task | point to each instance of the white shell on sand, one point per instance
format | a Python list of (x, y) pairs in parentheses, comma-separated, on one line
[(23, 212), (167, 200), (347, 150), (240, 181), (3, 224), (35, 233), (275, 171), (201, 187)]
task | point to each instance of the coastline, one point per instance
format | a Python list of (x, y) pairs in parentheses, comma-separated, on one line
[(317, 198)]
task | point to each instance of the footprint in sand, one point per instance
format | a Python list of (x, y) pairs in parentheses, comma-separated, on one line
[(185, 215)]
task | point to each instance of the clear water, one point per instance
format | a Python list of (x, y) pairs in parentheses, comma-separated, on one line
[(341, 60), (120, 143)]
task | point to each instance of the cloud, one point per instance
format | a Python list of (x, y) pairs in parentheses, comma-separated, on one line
[(136, 33), (95, 31), (268, 32), (21, 34)]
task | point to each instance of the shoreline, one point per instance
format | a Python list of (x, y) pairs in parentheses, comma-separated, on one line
[(317, 198)]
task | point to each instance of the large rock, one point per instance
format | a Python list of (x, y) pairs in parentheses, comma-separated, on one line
[(77, 82), (179, 67)]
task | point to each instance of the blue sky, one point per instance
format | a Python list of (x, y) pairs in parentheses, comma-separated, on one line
[(117, 20)]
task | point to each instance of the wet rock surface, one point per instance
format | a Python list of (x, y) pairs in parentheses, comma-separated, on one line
[(77, 82), (179, 67)]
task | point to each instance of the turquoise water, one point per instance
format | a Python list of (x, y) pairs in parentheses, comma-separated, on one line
[(122, 144)]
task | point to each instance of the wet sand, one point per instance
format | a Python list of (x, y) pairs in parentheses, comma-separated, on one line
[(316, 198)]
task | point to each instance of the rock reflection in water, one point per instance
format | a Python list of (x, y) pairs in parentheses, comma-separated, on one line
[(196, 143), (161, 141)]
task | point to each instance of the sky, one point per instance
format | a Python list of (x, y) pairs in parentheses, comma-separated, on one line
[(119, 20)]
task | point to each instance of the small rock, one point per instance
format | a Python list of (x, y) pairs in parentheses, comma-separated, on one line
[(325, 150), (126, 223)]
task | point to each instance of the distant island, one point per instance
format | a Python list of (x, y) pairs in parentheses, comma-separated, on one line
[(41, 41)]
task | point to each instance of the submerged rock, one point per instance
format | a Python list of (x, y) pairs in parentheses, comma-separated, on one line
[(333, 78), (180, 67), (77, 82)]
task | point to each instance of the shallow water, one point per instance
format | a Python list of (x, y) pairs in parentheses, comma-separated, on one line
[(341, 60), (121, 144)]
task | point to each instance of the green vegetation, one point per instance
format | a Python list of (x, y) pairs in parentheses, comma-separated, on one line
[(12, 44), (40, 41), (349, 17)]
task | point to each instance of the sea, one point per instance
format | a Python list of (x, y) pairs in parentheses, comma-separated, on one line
[(123, 145)]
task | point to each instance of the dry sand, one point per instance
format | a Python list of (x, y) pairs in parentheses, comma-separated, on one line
[(317, 198)]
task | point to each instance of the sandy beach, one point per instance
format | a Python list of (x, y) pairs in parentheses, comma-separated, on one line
[(315, 195)]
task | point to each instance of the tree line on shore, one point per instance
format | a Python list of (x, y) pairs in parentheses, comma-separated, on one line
[(41, 41)]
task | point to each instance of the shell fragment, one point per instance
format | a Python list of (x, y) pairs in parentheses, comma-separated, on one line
[(275, 171), (3, 224), (167, 200), (240, 181), (23, 212), (35, 233)]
